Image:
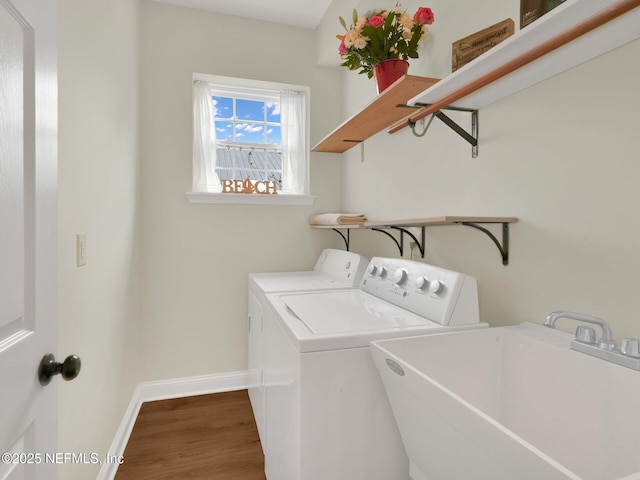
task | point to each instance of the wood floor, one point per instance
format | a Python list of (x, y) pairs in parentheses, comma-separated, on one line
[(202, 437)]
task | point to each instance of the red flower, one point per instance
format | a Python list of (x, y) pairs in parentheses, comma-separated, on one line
[(342, 48), (376, 21), (424, 16)]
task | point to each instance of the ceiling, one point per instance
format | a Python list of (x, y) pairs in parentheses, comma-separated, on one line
[(299, 13)]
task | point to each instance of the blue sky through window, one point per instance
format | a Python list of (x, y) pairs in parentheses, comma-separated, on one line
[(253, 122)]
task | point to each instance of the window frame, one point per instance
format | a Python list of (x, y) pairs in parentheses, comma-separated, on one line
[(235, 85)]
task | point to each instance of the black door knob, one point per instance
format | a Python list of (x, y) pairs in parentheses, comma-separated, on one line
[(69, 369)]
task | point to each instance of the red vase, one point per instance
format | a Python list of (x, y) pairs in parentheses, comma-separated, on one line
[(388, 71)]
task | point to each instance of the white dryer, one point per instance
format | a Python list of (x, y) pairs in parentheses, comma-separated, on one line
[(334, 270), (327, 415)]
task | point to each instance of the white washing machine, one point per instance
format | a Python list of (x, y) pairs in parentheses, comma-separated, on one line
[(327, 416), (334, 270)]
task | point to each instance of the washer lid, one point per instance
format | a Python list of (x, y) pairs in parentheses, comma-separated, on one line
[(349, 311)]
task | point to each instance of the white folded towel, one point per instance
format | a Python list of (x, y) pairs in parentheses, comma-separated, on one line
[(331, 219)]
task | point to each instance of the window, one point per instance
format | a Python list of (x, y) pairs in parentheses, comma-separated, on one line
[(248, 137), (248, 129)]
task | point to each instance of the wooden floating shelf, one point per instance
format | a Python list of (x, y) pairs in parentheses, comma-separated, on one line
[(387, 108), (571, 34), (422, 223)]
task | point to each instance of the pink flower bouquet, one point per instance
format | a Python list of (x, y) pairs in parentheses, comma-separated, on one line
[(382, 35)]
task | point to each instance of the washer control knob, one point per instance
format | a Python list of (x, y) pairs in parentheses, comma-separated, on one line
[(435, 286), (383, 272), (422, 282), (373, 268), (399, 276)]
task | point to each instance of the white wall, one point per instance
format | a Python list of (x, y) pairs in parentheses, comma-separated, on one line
[(197, 257), (561, 156), (164, 291), (99, 177)]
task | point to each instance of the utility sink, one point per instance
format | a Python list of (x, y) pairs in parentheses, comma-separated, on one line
[(511, 403)]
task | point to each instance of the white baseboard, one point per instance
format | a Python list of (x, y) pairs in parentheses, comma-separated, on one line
[(190, 386), (163, 390)]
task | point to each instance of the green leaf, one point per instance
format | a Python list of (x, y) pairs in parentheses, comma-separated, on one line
[(355, 16), (343, 23), (389, 21)]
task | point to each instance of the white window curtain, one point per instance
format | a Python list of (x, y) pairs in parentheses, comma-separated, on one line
[(205, 178), (294, 164)]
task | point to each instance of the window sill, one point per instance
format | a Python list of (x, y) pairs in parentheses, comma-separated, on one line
[(246, 199)]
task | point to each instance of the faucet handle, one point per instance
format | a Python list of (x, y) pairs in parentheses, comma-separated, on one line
[(630, 347), (586, 335)]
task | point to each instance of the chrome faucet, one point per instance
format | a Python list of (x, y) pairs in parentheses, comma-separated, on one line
[(606, 342), (628, 355)]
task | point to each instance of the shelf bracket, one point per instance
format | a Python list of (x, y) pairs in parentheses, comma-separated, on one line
[(471, 138), (502, 247), (400, 242), (346, 238)]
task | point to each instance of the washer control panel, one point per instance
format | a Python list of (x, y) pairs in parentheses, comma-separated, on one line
[(441, 295)]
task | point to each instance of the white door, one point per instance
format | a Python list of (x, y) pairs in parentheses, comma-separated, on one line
[(28, 237)]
